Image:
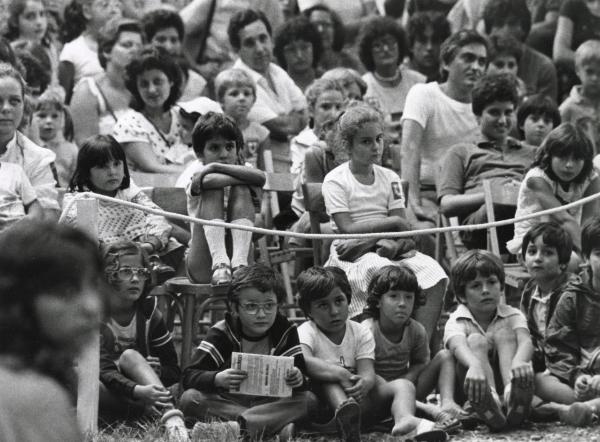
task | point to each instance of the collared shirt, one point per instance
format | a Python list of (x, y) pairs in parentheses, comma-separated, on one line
[(462, 323), (467, 165), (579, 110), (270, 104), (37, 163)]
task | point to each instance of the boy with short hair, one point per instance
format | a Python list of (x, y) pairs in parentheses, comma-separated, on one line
[(490, 341), (583, 104), (236, 92), (496, 157), (536, 117), (339, 356), (255, 326), (572, 347)]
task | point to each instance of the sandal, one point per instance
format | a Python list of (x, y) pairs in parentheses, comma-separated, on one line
[(221, 275), (446, 421), (490, 411), (518, 404)]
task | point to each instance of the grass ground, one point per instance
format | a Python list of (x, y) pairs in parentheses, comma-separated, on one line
[(535, 432)]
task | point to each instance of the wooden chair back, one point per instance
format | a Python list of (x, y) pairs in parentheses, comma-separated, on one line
[(315, 206)]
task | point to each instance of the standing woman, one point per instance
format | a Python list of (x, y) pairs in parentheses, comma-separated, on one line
[(99, 101), (149, 131)]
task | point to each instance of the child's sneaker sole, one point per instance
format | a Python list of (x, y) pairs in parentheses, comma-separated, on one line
[(489, 411), (347, 419), (519, 404)]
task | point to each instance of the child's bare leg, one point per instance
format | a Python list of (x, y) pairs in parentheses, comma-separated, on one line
[(505, 342), (402, 394), (440, 370), (207, 247), (551, 389), (240, 211), (334, 394), (428, 315), (479, 346)]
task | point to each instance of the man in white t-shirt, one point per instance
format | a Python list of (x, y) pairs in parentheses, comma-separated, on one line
[(437, 116)]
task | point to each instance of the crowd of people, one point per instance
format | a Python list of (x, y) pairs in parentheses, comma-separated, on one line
[(402, 110)]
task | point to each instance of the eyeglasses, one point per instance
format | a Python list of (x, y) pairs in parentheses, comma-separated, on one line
[(126, 273), (384, 43), (252, 308)]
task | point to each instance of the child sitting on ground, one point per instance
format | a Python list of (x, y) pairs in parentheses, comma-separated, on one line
[(340, 355), (490, 341), (17, 196), (402, 345), (137, 358), (255, 326), (582, 107), (536, 117), (236, 93), (572, 342), (49, 116), (220, 189)]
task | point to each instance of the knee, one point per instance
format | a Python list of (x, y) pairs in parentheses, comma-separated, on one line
[(130, 358), (477, 343), (401, 386), (192, 403), (444, 357)]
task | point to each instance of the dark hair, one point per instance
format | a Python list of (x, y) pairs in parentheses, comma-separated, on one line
[(537, 105), (392, 277), (111, 254), (502, 45), (566, 139), (259, 277), (293, 30), (40, 258), (16, 8), (375, 28), (494, 88), (317, 282), (37, 70), (420, 21), (74, 21), (240, 20), (553, 235), (456, 41), (7, 54), (339, 32), (110, 33), (467, 266), (153, 58), (590, 236), (97, 150), (211, 125), (498, 12), (159, 19)]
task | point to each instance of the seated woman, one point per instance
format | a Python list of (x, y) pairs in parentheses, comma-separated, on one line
[(150, 131), (363, 197), (297, 47)]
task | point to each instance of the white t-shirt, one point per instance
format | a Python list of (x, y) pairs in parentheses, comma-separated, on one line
[(445, 122), (358, 343), (84, 58), (392, 99), (270, 104), (343, 193), (298, 147), (16, 192)]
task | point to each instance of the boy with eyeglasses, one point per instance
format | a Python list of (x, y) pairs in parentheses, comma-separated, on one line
[(255, 326)]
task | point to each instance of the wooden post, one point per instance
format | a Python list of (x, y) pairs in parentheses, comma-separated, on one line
[(88, 363)]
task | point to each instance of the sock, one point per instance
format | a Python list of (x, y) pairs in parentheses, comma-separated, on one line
[(215, 238), (241, 243)]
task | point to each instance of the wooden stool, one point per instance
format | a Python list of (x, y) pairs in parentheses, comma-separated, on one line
[(192, 301)]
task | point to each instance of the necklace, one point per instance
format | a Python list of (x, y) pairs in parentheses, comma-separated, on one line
[(392, 81), (157, 129)]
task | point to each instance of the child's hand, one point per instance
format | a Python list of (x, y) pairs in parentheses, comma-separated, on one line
[(230, 378), (595, 385), (154, 363), (153, 395), (582, 386), (294, 377), (475, 383), (358, 388), (522, 373)]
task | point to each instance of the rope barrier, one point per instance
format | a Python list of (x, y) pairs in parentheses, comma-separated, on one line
[(378, 235)]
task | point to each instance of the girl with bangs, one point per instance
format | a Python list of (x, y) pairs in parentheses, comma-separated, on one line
[(562, 173)]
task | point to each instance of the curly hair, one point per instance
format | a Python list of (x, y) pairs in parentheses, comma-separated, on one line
[(159, 19), (339, 32), (392, 277), (538, 105), (493, 88), (503, 45), (352, 119), (420, 21), (293, 30), (375, 28), (467, 266), (37, 259), (240, 20), (259, 277), (211, 125), (110, 33), (318, 282), (500, 12), (153, 58), (565, 140), (97, 151), (553, 235)]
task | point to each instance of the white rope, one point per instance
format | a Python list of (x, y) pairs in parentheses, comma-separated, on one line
[(378, 235)]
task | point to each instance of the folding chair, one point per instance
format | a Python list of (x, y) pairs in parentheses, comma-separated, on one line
[(315, 206)]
